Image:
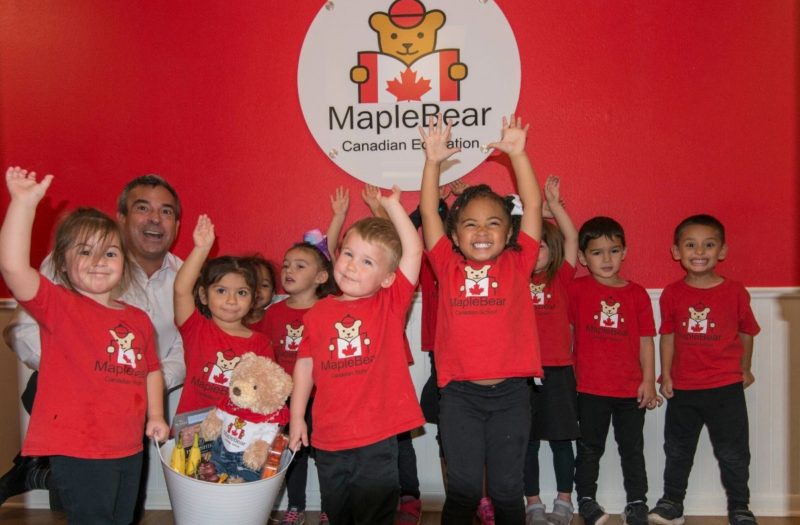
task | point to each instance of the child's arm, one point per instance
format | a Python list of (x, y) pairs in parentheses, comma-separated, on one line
[(553, 195), (156, 424), (513, 144), (747, 359), (436, 152), (15, 236), (411, 259), (666, 350), (370, 196), (303, 383), (183, 291), (340, 203), (647, 396)]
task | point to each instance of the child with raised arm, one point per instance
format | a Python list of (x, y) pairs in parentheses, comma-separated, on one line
[(486, 337), (613, 327), (554, 410), (707, 330), (98, 370), (352, 351)]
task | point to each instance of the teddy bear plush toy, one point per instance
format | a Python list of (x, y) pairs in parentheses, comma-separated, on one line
[(244, 424)]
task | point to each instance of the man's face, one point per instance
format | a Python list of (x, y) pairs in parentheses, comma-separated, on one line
[(151, 224)]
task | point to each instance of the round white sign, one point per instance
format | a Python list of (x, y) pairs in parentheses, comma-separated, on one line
[(371, 72)]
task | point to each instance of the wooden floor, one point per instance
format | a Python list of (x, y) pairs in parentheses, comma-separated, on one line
[(20, 516)]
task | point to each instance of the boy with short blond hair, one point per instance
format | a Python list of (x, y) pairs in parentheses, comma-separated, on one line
[(353, 352), (707, 329), (613, 325)]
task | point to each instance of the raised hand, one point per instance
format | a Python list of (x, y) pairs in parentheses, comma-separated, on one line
[(340, 201), (457, 187), (203, 235), (514, 136), (370, 196), (392, 198), (23, 187), (552, 196), (436, 140)]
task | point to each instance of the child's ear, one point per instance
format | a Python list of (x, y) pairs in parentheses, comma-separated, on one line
[(203, 296), (321, 276), (676, 254), (388, 280), (624, 252), (723, 252), (582, 258)]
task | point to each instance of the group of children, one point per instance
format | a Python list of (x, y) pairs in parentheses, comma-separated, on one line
[(523, 350)]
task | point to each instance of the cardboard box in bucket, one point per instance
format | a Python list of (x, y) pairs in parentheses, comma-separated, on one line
[(195, 501)]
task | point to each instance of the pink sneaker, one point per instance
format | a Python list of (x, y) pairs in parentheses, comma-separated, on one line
[(409, 511), (486, 511)]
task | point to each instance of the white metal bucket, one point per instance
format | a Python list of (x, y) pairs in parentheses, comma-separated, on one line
[(195, 502)]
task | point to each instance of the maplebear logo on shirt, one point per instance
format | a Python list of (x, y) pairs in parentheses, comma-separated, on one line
[(236, 428), (537, 294), (219, 372), (122, 344), (294, 335), (349, 342), (408, 66), (609, 316), (698, 322), (478, 282)]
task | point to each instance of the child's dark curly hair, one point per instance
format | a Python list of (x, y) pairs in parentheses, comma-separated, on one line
[(329, 286), (483, 191), (215, 269)]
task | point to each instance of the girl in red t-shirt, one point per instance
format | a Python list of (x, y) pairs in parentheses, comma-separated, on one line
[(265, 291), (99, 377), (486, 338), (554, 411)]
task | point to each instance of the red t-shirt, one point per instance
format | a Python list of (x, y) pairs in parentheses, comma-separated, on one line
[(485, 324), (364, 391), (609, 323), (91, 401), (706, 324), (283, 326), (429, 289), (552, 320), (210, 356)]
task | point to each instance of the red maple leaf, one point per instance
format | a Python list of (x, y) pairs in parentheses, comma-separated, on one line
[(608, 321), (408, 87), (696, 327), (220, 378), (292, 346), (537, 299), (476, 290), (350, 349), (126, 358)]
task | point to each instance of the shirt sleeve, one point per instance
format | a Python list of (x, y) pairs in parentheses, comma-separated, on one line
[(747, 321), (644, 312), (667, 307)]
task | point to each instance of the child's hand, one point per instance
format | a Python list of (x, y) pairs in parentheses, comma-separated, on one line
[(157, 428), (436, 149), (457, 187), (748, 378), (370, 196), (203, 235), (666, 387), (298, 435), (390, 200), (514, 136), (647, 396), (552, 196), (340, 201), (22, 185)]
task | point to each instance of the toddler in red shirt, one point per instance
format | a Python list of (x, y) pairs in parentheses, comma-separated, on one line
[(613, 326), (707, 330), (353, 353)]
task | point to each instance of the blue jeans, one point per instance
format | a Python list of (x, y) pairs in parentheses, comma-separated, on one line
[(232, 463), (485, 431)]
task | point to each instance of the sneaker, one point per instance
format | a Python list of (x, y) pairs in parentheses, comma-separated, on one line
[(323, 518), (293, 516), (635, 513), (486, 511), (741, 517), (562, 513), (591, 512), (409, 510), (666, 512), (27, 473), (535, 514)]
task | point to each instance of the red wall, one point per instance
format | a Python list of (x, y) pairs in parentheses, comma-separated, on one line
[(648, 110)]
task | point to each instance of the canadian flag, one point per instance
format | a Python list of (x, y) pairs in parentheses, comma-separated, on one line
[(389, 80)]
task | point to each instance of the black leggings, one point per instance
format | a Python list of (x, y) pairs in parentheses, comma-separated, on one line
[(563, 464)]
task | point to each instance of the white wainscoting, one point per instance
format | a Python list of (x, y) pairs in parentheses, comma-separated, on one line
[(774, 430)]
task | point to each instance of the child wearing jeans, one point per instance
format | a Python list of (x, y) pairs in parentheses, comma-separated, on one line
[(613, 326), (707, 330), (353, 352)]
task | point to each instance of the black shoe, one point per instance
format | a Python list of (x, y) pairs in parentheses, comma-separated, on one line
[(635, 513), (591, 512), (28, 473), (741, 517), (666, 512)]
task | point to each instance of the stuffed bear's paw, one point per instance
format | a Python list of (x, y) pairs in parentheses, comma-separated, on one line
[(256, 455)]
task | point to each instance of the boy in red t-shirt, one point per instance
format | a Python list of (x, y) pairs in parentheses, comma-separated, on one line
[(353, 352), (707, 330), (613, 327)]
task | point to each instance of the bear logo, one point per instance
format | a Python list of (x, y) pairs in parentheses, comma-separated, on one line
[(609, 316), (349, 340), (294, 334), (538, 295), (698, 322), (477, 281), (408, 66), (219, 373), (122, 343)]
